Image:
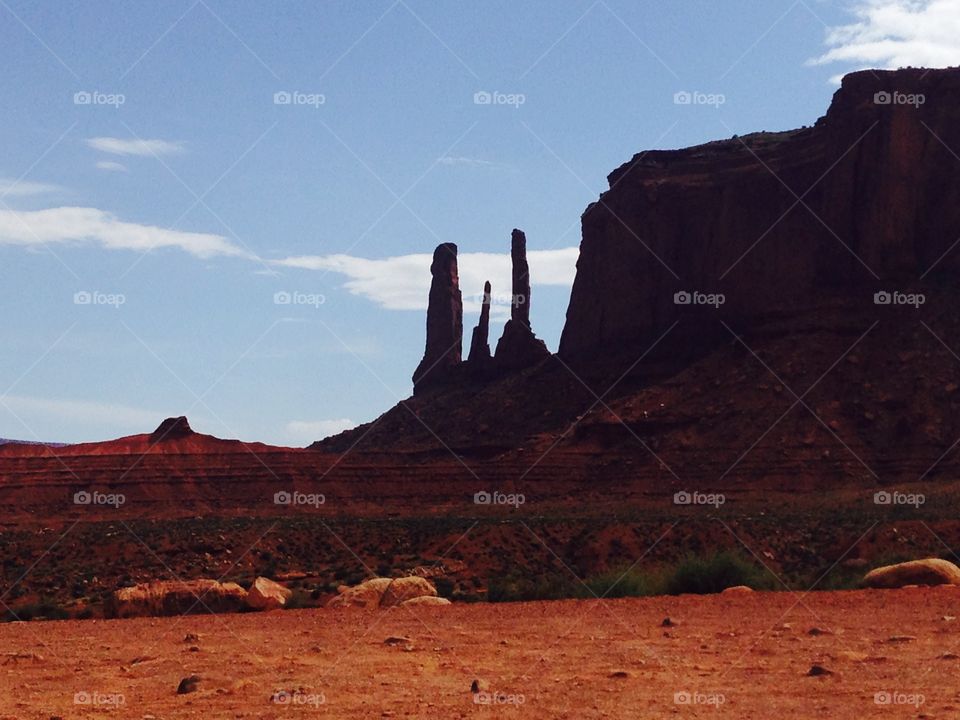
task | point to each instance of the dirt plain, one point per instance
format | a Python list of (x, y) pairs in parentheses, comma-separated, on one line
[(887, 654)]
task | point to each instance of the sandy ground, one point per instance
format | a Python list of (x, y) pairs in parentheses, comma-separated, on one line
[(892, 654)]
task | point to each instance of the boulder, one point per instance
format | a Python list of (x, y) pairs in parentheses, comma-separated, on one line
[(407, 588), (426, 600), (931, 571), (175, 597), (265, 594), (367, 594)]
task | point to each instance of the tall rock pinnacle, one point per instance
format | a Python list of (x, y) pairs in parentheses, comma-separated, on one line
[(520, 302), (480, 342), (518, 346), (444, 320)]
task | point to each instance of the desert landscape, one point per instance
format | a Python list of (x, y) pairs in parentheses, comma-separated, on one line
[(718, 477), (840, 655)]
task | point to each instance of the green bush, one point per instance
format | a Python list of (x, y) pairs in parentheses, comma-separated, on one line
[(695, 574), (713, 573), (628, 582), (45, 610)]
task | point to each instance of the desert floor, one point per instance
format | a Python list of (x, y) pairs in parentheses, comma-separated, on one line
[(892, 654)]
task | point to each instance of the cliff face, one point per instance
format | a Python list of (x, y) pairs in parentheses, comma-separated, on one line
[(865, 200)]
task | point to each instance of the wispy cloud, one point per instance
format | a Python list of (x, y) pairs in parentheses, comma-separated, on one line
[(403, 282), (466, 161), (44, 410), (897, 33), (90, 225), (133, 146), (111, 166), (24, 188), (303, 432)]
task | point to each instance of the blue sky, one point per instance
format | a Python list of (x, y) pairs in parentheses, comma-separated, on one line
[(173, 173)]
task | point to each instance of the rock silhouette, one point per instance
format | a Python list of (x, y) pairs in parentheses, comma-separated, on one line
[(863, 201), (518, 346), (444, 320), (480, 341), (174, 428)]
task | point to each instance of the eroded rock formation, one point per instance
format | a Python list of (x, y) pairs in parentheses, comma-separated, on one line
[(518, 346), (480, 342), (865, 201), (172, 429), (444, 320)]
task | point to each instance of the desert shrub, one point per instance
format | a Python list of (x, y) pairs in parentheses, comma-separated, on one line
[(45, 609), (702, 574), (300, 599), (837, 578), (697, 574), (549, 586), (627, 582), (445, 586)]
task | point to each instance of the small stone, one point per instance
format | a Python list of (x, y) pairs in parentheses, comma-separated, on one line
[(667, 622), (191, 638), (619, 674), (479, 685), (818, 671), (901, 638), (188, 685), (815, 632)]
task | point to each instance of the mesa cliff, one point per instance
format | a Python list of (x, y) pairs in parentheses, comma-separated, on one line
[(866, 200)]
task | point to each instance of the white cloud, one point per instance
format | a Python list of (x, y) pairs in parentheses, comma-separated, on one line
[(80, 224), (133, 146), (41, 411), (468, 161), (403, 282), (897, 33), (111, 166), (24, 188), (303, 432)]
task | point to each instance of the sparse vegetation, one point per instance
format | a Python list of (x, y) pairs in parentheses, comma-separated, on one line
[(693, 574)]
